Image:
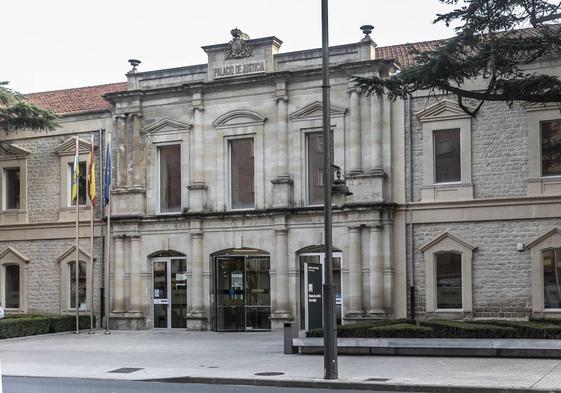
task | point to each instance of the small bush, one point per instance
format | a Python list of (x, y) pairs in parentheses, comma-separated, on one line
[(30, 325), (457, 329)]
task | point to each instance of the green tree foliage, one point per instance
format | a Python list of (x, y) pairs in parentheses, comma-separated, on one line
[(495, 41), (16, 113)]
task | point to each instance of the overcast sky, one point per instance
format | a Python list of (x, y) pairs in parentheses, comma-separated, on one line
[(58, 44)]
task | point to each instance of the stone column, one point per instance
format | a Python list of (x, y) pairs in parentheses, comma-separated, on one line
[(137, 151), (376, 128), (121, 155), (119, 275), (376, 309), (388, 265), (355, 273), (197, 304), (136, 299), (281, 270), (356, 154), (198, 187)]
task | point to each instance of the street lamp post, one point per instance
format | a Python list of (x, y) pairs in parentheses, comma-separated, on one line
[(329, 324)]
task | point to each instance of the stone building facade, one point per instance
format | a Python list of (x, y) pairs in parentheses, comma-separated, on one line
[(216, 206)]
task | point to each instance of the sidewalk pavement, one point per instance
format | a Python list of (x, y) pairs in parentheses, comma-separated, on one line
[(235, 358)]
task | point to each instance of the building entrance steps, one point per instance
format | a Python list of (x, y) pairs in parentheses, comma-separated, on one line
[(237, 357)]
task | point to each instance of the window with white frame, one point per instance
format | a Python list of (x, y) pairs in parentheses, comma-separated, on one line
[(242, 173), (13, 279), (169, 172), (550, 148), (82, 192)]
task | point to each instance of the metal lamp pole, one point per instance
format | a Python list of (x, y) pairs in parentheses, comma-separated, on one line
[(329, 324)]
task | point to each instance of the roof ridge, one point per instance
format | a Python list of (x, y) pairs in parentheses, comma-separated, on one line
[(76, 88)]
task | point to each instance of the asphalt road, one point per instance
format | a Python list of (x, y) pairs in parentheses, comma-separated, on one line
[(67, 385)]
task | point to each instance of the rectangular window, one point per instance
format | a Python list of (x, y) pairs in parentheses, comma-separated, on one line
[(12, 286), (242, 173), (551, 147), (81, 285), (447, 158), (11, 187), (316, 167), (448, 280), (552, 277), (82, 192), (170, 178)]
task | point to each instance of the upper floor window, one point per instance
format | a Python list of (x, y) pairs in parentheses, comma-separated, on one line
[(170, 178), (82, 192), (242, 173), (316, 167), (551, 147), (11, 188), (448, 280), (447, 156), (552, 277)]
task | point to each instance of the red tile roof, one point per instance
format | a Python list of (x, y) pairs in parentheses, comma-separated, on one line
[(402, 52), (81, 99)]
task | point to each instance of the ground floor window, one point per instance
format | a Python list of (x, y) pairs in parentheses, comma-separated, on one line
[(82, 284), (552, 277), (448, 280), (12, 290)]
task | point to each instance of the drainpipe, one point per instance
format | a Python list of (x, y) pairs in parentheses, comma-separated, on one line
[(409, 212)]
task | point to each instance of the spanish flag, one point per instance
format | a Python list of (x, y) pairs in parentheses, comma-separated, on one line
[(91, 175), (75, 175)]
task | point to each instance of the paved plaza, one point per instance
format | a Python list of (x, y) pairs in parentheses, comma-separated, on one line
[(209, 355)]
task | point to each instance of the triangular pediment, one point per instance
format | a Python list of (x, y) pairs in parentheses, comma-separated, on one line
[(70, 255), (68, 147), (315, 110), (166, 125), (544, 236), (442, 110), (447, 235), (9, 151), (239, 117), (11, 255)]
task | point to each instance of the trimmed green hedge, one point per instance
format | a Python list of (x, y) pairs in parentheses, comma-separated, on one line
[(359, 329), (30, 325), (400, 330), (456, 329), (531, 329)]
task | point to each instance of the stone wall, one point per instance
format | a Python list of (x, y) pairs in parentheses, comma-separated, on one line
[(501, 274)]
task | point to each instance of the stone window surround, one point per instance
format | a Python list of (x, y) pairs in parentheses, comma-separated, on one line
[(11, 256), (445, 115), (14, 216), (546, 240), (447, 242), (157, 206), (66, 151), (166, 131), (538, 184), (67, 257), (228, 168)]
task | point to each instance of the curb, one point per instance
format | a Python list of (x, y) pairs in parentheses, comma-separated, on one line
[(321, 384)]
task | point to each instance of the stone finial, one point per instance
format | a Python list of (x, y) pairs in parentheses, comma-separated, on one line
[(366, 30), (134, 63)]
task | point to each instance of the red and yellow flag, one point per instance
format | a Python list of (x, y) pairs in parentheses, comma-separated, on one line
[(91, 175)]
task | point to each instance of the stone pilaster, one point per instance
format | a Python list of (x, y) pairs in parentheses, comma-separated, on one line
[(121, 149), (356, 145), (196, 319), (136, 299), (376, 264), (137, 152), (388, 266), (198, 186), (355, 273), (377, 133), (119, 275), (282, 307), (282, 184)]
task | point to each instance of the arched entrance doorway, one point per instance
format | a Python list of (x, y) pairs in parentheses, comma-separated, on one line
[(242, 300), (169, 289)]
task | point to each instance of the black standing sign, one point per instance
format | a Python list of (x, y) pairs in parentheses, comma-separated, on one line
[(315, 280)]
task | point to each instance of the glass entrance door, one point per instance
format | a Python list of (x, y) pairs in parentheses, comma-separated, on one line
[(243, 298), (170, 292)]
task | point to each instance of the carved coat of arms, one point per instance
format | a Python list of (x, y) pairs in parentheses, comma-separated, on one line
[(237, 47)]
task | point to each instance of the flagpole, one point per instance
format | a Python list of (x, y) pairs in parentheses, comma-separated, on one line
[(76, 177), (107, 192), (91, 173)]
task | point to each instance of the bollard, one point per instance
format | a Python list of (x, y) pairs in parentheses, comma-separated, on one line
[(290, 332)]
